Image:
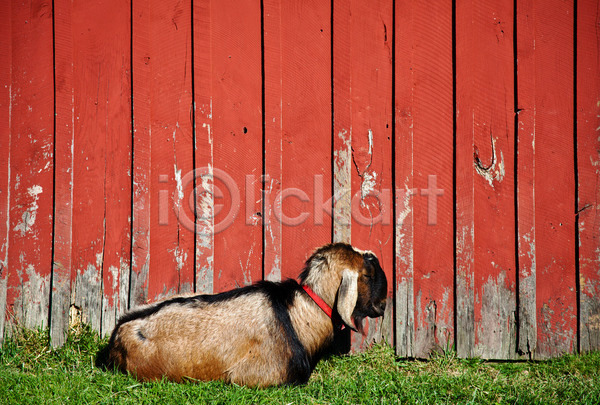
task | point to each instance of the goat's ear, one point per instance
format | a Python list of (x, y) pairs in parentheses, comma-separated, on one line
[(347, 296)]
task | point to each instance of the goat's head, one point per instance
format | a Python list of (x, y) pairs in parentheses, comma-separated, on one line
[(350, 279)]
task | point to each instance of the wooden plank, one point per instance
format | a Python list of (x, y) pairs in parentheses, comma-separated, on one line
[(63, 177), (237, 147), (306, 124), (555, 190), (297, 133), (204, 162), (485, 215), (372, 115), (5, 111), (31, 164), (112, 30), (545, 54), (110, 24), (170, 62), (273, 145), (101, 160), (141, 207), (588, 169), (163, 155), (363, 138), (342, 131), (527, 328), (424, 189)]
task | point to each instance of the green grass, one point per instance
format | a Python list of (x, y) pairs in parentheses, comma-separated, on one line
[(31, 372)]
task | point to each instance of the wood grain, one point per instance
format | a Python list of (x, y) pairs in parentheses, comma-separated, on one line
[(63, 176), (297, 133), (237, 142), (101, 160), (526, 134), (5, 136), (588, 169), (423, 174), (163, 154), (362, 55), (546, 67), (31, 164), (203, 144), (142, 158), (273, 136), (485, 216)]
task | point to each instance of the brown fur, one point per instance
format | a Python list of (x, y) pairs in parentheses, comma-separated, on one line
[(240, 338), (181, 342)]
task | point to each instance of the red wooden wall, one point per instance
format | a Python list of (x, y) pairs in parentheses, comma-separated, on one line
[(150, 148)]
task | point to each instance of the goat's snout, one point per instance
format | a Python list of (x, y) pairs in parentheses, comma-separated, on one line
[(380, 308), (377, 309)]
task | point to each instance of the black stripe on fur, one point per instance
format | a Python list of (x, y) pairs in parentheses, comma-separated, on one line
[(184, 301), (282, 296)]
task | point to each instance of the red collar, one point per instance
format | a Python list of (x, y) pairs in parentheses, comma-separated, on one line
[(318, 300), (337, 323)]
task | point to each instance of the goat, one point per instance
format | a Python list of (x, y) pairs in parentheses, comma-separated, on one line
[(264, 334)]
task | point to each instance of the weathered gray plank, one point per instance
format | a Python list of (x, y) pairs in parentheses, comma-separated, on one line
[(465, 293), (3, 283), (342, 185), (115, 304)]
